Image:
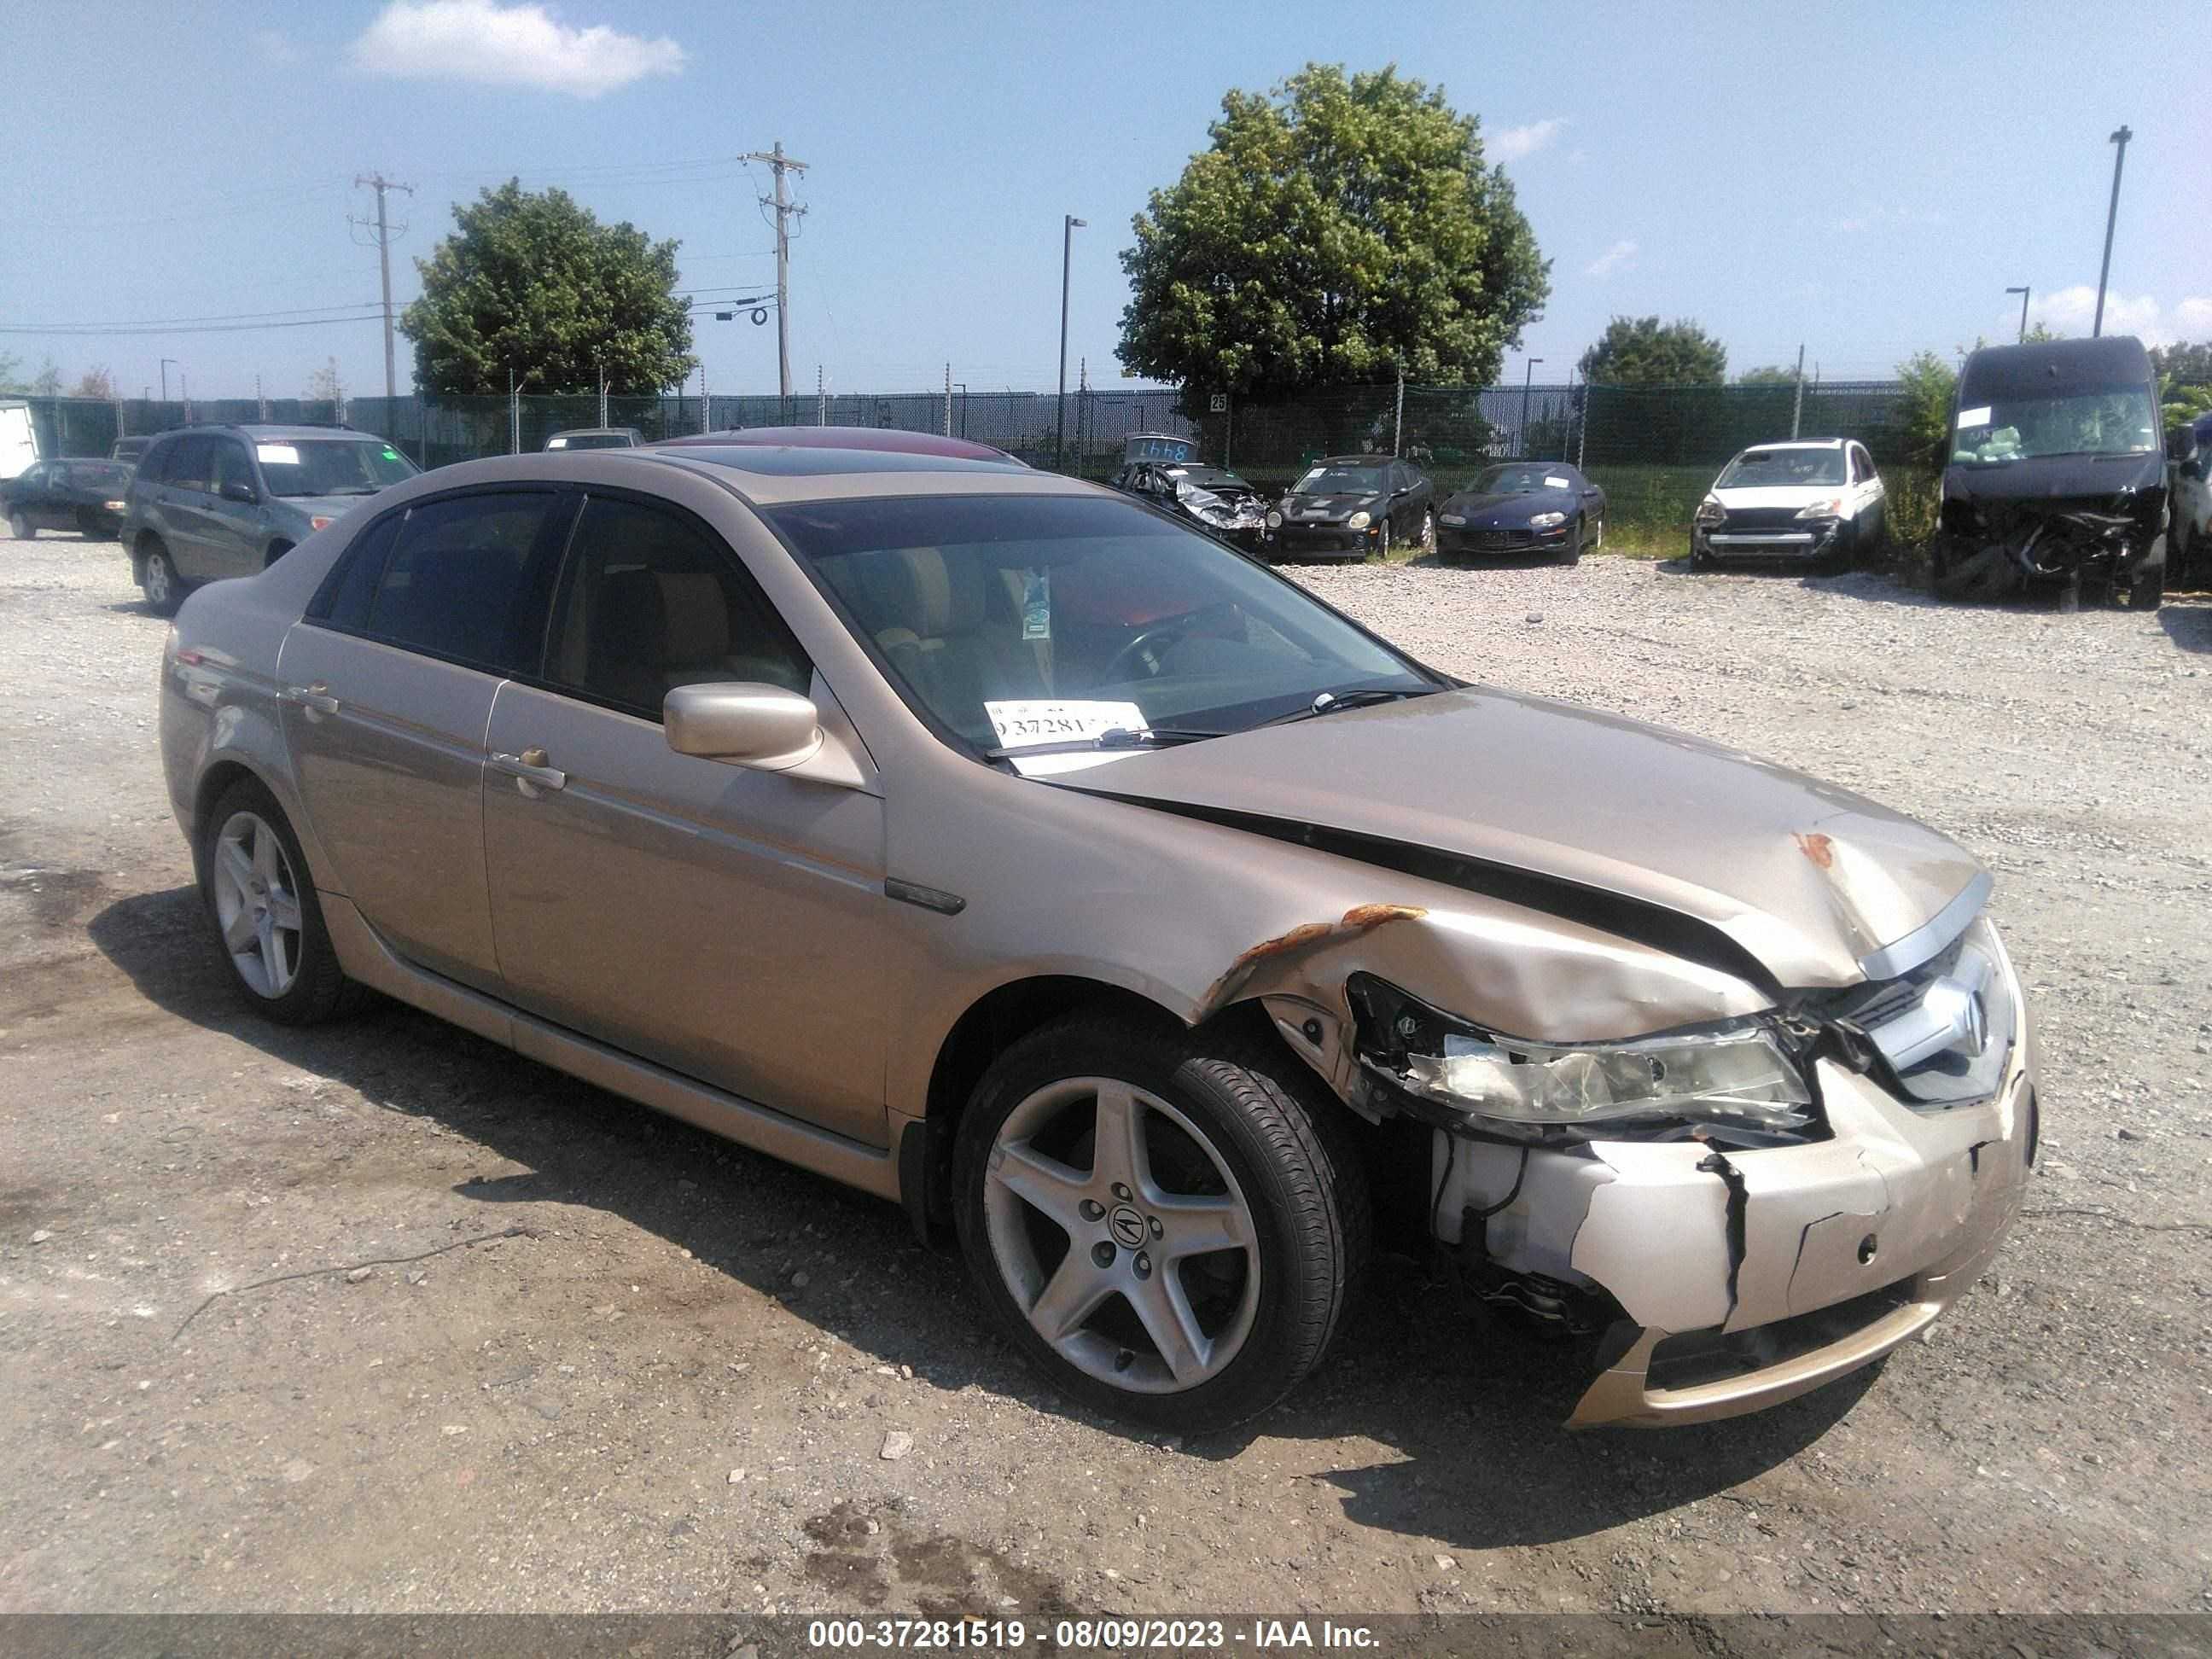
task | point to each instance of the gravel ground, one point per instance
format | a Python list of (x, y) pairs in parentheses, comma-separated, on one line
[(531, 1347)]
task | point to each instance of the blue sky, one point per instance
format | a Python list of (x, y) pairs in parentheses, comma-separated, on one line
[(1867, 179)]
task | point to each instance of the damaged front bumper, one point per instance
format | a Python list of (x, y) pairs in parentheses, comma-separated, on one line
[(1735, 1280)]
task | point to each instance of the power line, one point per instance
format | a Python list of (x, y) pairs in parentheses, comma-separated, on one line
[(217, 328), (217, 317)]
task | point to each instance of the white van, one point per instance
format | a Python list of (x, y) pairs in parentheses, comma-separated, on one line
[(19, 439)]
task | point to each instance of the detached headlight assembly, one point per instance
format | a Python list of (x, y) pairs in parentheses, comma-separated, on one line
[(1740, 1074), (1710, 512), (1548, 520), (1356, 522)]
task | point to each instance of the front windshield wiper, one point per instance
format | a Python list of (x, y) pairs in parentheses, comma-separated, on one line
[(1116, 736), (1328, 702)]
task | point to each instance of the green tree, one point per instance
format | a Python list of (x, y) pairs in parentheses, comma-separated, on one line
[(11, 369), (534, 285), (1769, 375), (1644, 351), (48, 381), (1340, 231), (1924, 409)]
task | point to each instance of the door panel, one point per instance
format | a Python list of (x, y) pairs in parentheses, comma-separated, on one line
[(723, 923), (393, 777)]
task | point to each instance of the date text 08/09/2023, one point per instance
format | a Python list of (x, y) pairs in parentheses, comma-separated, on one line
[(1119, 1635)]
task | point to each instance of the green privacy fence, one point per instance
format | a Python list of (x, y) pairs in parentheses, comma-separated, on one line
[(1451, 430)]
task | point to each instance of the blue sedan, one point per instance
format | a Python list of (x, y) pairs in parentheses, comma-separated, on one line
[(1542, 507)]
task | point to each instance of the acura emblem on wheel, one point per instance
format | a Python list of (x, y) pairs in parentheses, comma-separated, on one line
[(1126, 1226)]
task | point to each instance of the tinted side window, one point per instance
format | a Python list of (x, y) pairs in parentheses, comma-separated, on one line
[(230, 465), (455, 582), (652, 600), (154, 464), (192, 463), (344, 598)]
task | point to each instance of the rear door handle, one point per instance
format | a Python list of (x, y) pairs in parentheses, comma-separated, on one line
[(530, 771), (316, 699)]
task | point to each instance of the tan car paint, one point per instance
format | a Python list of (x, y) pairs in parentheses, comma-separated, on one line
[(826, 1055)]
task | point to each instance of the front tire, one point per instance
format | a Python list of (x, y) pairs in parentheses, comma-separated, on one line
[(1573, 554), (21, 528), (1169, 1225), (268, 923), (2146, 588)]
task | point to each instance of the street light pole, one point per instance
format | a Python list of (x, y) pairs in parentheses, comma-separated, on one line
[(1069, 224), (2022, 292), (1525, 380), (166, 361), (2112, 214)]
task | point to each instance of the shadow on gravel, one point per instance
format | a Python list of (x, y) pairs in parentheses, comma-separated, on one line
[(2188, 624), (1471, 1409)]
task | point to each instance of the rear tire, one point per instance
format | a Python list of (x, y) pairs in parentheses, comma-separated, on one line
[(164, 591), (268, 922), (1233, 1141)]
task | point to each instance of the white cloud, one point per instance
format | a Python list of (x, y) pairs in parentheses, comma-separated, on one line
[(2073, 312), (2192, 318), (510, 46), (1621, 255), (1511, 144)]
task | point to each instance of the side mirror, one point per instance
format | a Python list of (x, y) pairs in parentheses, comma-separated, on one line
[(234, 491), (743, 723)]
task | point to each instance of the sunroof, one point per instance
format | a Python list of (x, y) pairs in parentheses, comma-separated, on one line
[(800, 463)]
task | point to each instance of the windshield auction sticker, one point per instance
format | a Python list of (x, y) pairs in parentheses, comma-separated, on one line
[(1024, 723)]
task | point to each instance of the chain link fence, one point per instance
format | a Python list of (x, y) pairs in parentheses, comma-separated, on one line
[(1452, 431)]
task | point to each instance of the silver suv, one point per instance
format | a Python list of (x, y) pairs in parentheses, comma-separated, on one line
[(213, 501)]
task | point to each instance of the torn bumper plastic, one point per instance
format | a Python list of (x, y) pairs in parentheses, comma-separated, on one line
[(1748, 1277)]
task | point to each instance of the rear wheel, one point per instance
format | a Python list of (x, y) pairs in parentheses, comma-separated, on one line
[(20, 527), (267, 920), (1382, 541), (159, 578), (1169, 1225)]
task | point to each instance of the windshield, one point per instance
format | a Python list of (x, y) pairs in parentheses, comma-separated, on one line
[(330, 466), (590, 440), (1519, 480), (1762, 469), (1207, 477), (1089, 605), (1341, 481), (2118, 422)]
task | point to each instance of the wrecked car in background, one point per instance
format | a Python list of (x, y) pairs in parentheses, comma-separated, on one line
[(1210, 498), (1816, 499), (992, 843), (2057, 476)]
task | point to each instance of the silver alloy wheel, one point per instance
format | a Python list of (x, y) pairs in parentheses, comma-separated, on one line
[(1128, 1238), (157, 580), (257, 905)]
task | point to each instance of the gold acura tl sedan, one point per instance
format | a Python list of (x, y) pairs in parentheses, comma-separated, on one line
[(1002, 846)]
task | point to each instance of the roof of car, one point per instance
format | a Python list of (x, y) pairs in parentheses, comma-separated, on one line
[(594, 431), (864, 439), (259, 432), (1355, 460), (1798, 443)]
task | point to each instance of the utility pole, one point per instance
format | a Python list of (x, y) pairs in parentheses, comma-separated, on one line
[(1525, 380), (166, 361), (821, 399), (260, 402), (1069, 224), (2112, 214), (1798, 407), (948, 400), (2022, 292), (1398, 417), (780, 164), (599, 368), (384, 233)]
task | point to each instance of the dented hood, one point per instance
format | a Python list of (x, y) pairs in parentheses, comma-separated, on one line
[(1808, 879)]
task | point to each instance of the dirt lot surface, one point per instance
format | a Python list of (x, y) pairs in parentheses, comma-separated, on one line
[(588, 1359)]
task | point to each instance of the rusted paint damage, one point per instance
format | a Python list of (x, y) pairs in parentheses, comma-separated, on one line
[(1818, 847), (1308, 937)]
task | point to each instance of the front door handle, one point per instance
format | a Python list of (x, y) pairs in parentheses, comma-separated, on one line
[(316, 699), (530, 772)]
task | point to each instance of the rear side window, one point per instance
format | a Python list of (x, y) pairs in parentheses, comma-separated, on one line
[(455, 583)]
